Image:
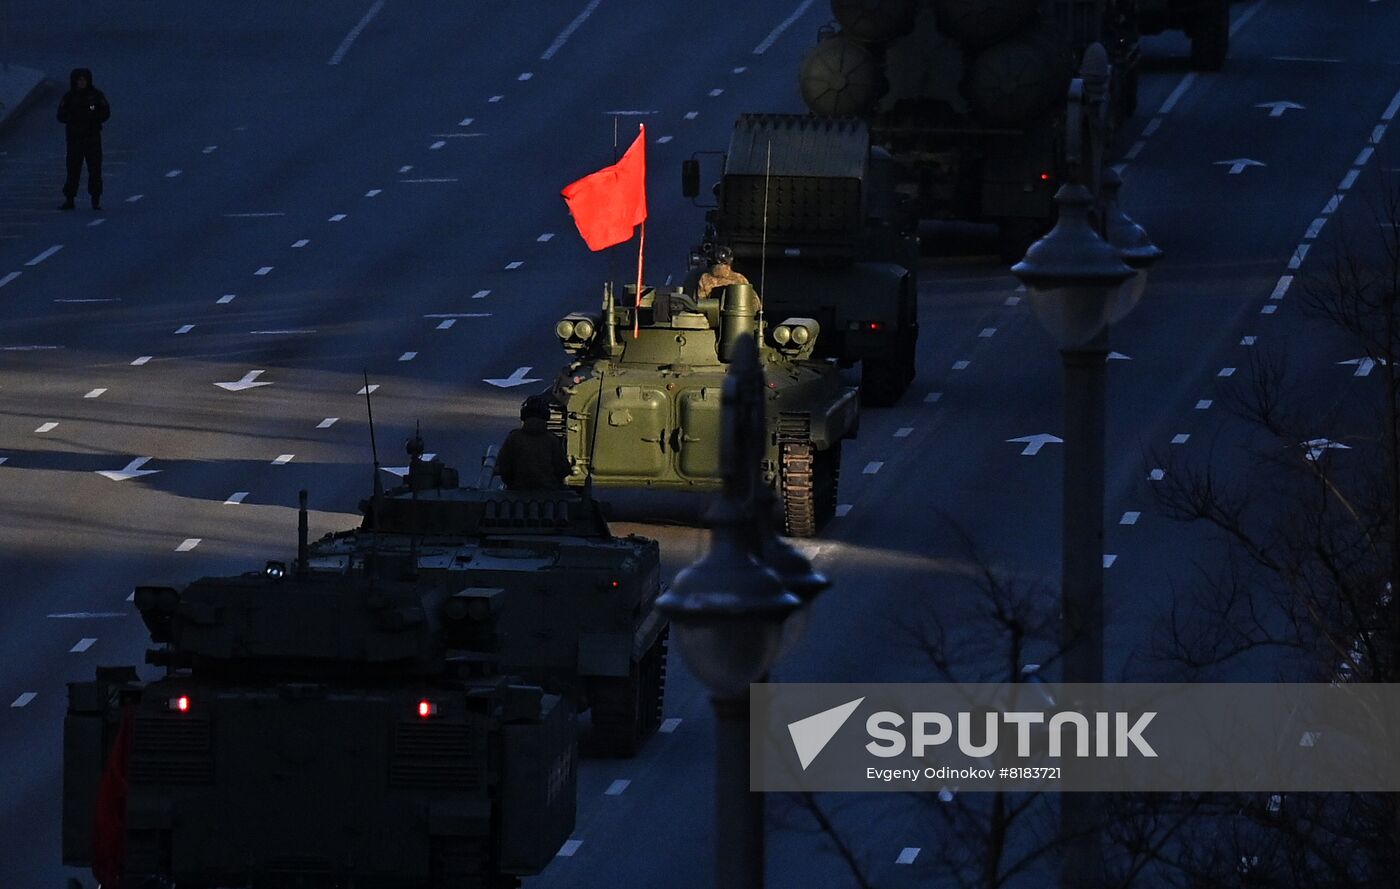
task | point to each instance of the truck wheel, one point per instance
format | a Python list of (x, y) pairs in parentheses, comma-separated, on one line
[(883, 380), (1210, 38), (808, 479), (616, 703)]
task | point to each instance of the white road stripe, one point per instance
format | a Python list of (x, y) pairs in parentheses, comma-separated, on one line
[(46, 427), (1348, 180), (408, 356), (1333, 203), (354, 33), (1315, 228), (82, 645), (1130, 518), (1268, 310), (961, 365), (300, 243), (225, 299), (617, 787), (691, 115), (95, 393), (465, 122), (1392, 108), (134, 198), (512, 266), (1012, 301), (264, 270), (933, 398), (24, 699), (188, 544), (1157, 475), (327, 423), (568, 31), (716, 92), (907, 855), (1300, 253), (45, 255), (988, 332), (210, 149), (372, 192), (767, 42), (183, 329), (1152, 126), (1284, 282), (495, 99), (1204, 404), (481, 294), (446, 324), (1177, 93), (405, 168), (171, 174), (904, 432), (421, 181), (1363, 156), (1135, 150), (843, 509), (524, 75), (236, 498), (368, 390), (1109, 559), (1245, 16), (253, 215), (97, 222), (9, 277), (1181, 438), (1378, 133), (1247, 340), (873, 467), (569, 848), (140, 361), (283, 459), (339, 217), (436, 145), (545, 238), (669, 725)]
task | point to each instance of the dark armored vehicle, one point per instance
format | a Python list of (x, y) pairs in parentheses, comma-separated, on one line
[(557, 599), (639, 405), (808, 205), (314, 731)]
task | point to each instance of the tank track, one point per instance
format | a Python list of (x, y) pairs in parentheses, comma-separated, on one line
[(627, 711), (808, 481)]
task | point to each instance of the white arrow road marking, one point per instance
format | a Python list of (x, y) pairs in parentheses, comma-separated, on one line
[(1033, 443), (1276, 109), (249, 381), (1239, 164), (516, 379), (1364, 366), (130, 471), (1319, 446)]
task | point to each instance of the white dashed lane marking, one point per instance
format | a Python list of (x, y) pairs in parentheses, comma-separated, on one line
[(1315, 227), (368, 390), (1204, 404), (1247, 340), (300, 243), (547, 236), (8, 278), (372, 192), (716, 92), (82, 645), (1281, 287), (140, 361), (569, 848), (933, 398), (171, 174), (24, 699), (1300, 253), (446, 323), (283, 459), (1157, 475), (843, 509), (265, 270), (1130, 518), (95, 393), (569, 29), (1109, 559), (495, 99), (617, 787), (1226, 372), (988, 332), (1268, 310), (1363, 156), (1348, 180), (904, 432), (236, 498), (327, 423), (188, 544), (408, 356), (481, 294), (134, 198), (907, 855), (512, 266), (691, 115), (225, 299), (46, 427), (961, 365), (436, 145), (525, 75), (405, 168), (873, 467), (45, 255), (465, 122), (183, 329), (339, 217), (670, 725)]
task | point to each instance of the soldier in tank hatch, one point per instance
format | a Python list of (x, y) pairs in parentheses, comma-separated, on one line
[(533, 458), (721, 273), (83, 110)]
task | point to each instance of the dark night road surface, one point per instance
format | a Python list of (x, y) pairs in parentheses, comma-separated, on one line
[(445, 160)]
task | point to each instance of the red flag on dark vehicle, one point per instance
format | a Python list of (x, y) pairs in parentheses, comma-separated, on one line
[(109, 824), (609, 204)]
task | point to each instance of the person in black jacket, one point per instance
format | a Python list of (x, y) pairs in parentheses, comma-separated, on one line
[(83, 110), (533, 458)]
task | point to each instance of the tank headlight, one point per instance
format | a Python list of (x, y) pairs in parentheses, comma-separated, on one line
[(782, 334), (583, 329), (564, 329), (800, 335)]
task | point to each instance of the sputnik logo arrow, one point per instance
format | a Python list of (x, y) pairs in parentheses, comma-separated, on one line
[(1276, 109), (1238, 164), (132, 470), (811, 735), (1033, 443), (516, 379), (1364, 366), (248, 382)]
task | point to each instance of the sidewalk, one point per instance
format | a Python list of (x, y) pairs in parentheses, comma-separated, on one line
[(18, 87)]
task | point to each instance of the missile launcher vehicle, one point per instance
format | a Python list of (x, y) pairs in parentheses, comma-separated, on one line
[(639, 403), (811, 207), (314, 731), (554, 597)]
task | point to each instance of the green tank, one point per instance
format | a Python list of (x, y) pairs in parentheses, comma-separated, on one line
[(315, 730), (558, 599), (639, 403)]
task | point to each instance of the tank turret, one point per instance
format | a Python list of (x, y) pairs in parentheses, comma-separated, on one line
[(642, 410), (316, 729)]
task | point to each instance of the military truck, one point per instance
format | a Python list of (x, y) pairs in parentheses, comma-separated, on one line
[(313, 730), (969, 97), (558, 599), (810, 210), (639, 403)]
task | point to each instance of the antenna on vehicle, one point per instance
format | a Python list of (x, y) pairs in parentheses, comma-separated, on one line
[(763, 247), (372, 562), (593, 435)]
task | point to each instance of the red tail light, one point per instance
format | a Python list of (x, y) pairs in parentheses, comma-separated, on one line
[(427, 708), (180, 704), (1044, 177)]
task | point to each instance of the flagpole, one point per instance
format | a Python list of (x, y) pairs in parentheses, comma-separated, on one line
[(637, 312)]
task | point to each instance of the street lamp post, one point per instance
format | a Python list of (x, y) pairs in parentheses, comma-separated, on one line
[(732, 611), (1080, 281)]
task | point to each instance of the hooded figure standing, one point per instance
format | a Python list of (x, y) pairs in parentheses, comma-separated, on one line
[(83, 110), (533, 458)]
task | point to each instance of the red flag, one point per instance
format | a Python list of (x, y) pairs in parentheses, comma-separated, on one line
[(609, 204), (109, 823)]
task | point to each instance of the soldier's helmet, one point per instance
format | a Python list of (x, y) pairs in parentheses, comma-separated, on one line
[(724, 256), (535, 406)]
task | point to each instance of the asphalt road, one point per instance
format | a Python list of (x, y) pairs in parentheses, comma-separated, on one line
[(284, 199)]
